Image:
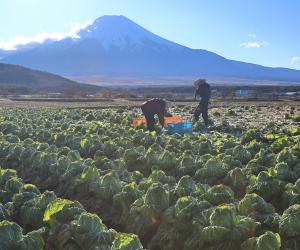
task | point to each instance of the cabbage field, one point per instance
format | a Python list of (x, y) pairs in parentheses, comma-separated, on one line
[(84, 179)]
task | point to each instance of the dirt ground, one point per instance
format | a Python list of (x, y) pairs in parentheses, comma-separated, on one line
[(243, 113)]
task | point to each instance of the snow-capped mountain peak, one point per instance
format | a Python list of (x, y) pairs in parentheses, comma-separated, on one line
[(116, 46), (120, 32)]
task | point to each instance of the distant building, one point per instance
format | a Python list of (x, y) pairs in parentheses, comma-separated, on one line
[(244, 93), (296, 93)]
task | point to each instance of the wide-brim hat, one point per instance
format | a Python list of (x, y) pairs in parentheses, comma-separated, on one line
[(199, 82)]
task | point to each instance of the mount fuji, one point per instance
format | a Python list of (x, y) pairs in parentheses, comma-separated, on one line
[(116, 46)]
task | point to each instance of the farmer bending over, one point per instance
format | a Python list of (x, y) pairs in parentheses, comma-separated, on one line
[(153, 107), (203, 90)]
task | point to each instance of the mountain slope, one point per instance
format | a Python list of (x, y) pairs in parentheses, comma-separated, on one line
[(116, 46), (24, 80)]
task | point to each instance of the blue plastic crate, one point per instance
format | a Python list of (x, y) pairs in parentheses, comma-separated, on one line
[(179, 128), (175, 127), (187, 127)]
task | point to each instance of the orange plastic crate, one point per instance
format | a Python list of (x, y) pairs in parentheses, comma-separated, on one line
[(172, 119), (137, 121)]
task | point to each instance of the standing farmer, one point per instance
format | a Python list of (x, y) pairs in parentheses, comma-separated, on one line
[(153, 107), (203, 90)]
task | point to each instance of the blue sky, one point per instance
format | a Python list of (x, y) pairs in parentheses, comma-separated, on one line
[(259, 31)]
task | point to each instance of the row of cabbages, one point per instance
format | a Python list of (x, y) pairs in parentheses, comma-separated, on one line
[(31, 220), (167, 213), (192, 192)]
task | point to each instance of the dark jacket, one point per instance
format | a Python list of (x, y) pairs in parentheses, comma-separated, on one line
[(204, 92), (153, 107)]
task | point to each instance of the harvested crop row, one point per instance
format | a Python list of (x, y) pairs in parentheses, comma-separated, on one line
[(224, 189), (30, 220)]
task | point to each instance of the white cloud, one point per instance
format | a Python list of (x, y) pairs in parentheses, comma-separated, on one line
[(254, 44), (14, 42), (295, 60), (252, 36), (251, 45)]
